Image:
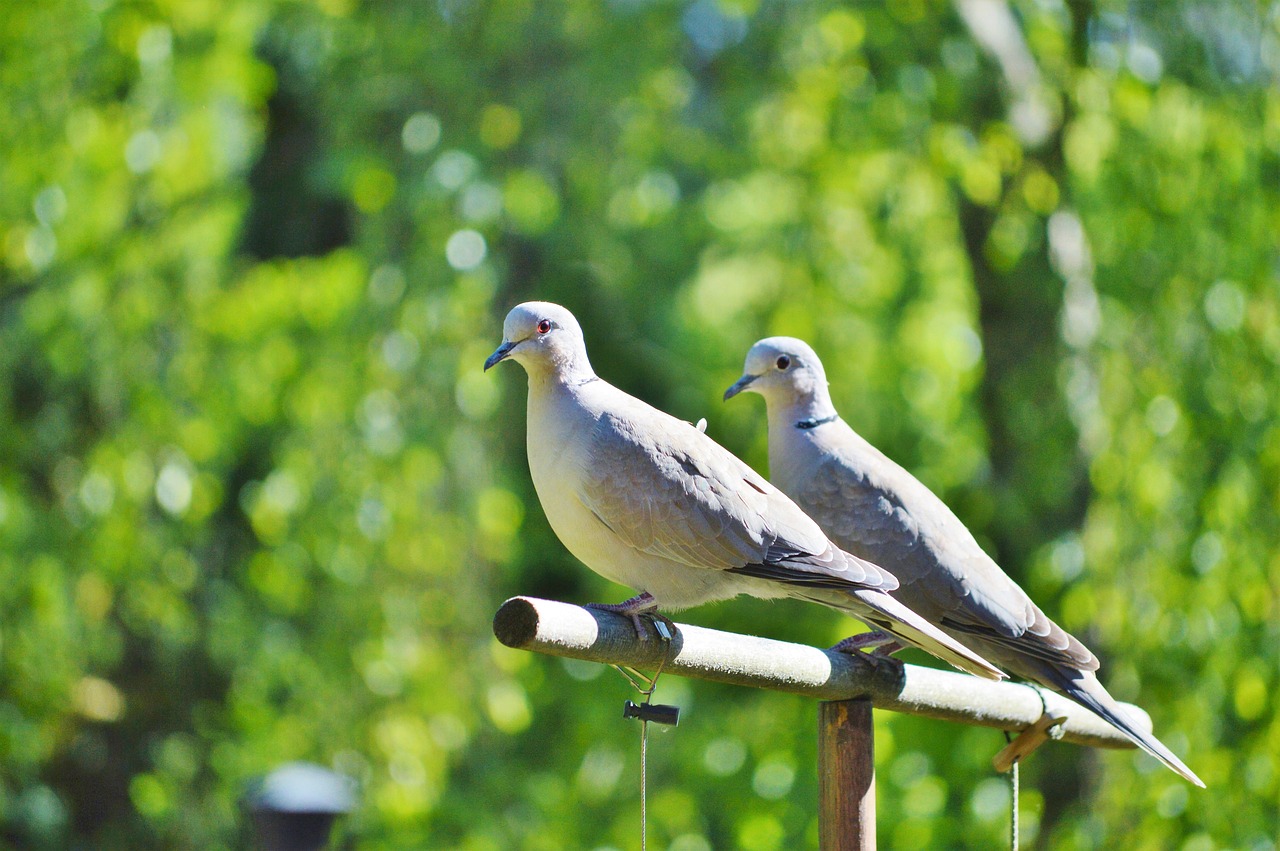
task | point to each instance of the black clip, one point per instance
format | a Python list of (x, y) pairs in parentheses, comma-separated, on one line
[(658, 713)]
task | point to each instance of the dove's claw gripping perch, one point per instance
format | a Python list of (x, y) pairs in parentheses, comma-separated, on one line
[(637, 609), (883, 643)]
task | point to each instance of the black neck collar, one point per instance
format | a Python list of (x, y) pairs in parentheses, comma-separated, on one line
[(812, 423)]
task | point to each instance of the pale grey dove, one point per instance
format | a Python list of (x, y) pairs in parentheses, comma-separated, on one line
[(649, 501), (872, 507)]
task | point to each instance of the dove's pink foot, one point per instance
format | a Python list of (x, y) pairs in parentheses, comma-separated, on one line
[(881, 642), (637, 608)]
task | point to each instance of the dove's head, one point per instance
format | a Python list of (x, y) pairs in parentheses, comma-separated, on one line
[(783, 370), (545, 339)]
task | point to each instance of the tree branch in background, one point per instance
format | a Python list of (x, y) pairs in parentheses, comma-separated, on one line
[(994, 28)]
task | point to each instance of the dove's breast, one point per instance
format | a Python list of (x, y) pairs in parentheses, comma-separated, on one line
[(560, 451), (563, 441)]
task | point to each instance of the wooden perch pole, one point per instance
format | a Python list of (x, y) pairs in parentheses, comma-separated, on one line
[(846, 776), (562, 629)]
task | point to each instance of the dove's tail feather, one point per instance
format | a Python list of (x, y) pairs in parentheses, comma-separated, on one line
[(1083, 687), (879, 610)]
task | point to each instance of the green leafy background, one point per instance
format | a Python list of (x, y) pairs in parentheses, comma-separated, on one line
[(258, 502)]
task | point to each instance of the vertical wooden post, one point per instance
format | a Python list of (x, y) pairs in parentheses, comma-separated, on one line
[(846, 776)]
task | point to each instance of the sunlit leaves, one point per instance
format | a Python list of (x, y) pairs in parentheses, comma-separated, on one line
[(262, 509)]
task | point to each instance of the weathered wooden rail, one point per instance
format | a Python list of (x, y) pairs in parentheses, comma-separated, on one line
[(848, 687)]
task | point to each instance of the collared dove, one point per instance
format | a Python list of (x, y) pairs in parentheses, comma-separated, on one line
[(872, 507), (649, 501)]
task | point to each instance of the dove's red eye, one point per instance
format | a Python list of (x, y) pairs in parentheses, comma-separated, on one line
[(544, 326)]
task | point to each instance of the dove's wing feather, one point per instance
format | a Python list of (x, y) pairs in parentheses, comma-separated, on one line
[(664, 488), (875, 509)]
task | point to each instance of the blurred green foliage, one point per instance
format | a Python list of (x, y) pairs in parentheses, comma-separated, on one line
[(258, 502)]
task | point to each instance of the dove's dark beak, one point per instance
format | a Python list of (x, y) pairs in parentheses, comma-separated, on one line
[(739, 386), (500, 354)]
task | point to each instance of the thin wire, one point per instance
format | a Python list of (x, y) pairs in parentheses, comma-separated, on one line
[(1013, 784), (644, 757), (635, 678), (632, 676), (1013, 773), (644, 761), (1013, 821)]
